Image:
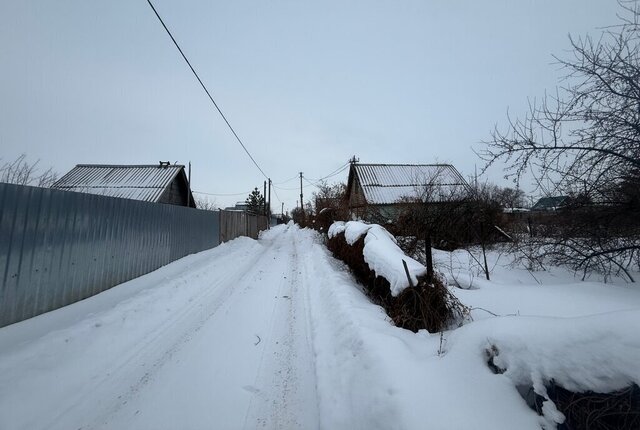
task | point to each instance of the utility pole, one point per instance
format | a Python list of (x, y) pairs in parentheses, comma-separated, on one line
[(264, 199), (282, 210), (301, 204), (269, 207)]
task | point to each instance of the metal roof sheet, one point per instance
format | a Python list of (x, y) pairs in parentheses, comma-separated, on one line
[(549, 203), (138, 182), (389, 183)]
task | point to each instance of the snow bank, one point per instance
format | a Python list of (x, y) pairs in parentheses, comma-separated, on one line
[(546, 326), (373, 375), (415, 381), (597, 353), (381, 253)]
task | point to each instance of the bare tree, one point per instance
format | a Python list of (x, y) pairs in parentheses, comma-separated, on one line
[(329, 204), (585, 141), (329, 196), (206, 203), (432, 213), (22, 172), (506, 197)]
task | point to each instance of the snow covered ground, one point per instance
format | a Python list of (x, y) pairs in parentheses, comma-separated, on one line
[(275, 333)]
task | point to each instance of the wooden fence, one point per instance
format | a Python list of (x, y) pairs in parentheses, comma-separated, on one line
[(237, 223)]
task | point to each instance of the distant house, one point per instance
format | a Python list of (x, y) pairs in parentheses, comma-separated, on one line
[(550, 203), (239, 206), (157, 183), (376, 192)]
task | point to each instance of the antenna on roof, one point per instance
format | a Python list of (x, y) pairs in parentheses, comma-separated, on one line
[(354, 160)]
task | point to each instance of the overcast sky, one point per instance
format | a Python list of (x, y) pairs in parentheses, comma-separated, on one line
[(305, 84)]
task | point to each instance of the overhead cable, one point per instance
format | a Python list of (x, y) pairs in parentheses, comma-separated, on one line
[(334, 173), (222, 195), (290, 189), (297, 176), (206, 90), (276, 194)]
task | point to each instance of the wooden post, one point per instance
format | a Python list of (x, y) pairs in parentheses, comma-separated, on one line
[(406, 270)]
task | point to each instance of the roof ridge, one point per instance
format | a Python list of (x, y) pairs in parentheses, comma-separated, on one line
[(111, 186), (445, 184), (402, 164), (130, 165)]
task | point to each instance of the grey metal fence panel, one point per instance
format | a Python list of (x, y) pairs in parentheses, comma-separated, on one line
[(58, 247)]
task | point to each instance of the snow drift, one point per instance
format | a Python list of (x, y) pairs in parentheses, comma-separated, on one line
[(381, 252)]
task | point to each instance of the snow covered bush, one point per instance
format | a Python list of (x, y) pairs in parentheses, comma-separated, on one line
[(410, 299), (577, 373)]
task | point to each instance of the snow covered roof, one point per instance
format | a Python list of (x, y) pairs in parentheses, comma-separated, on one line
[(137, 182), (388, 183)]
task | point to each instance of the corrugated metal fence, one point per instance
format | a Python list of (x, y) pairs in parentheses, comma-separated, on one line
[(58, 247), (236, 223)]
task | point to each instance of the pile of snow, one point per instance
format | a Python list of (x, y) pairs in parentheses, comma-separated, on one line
[(373, 375), (598, 353), (547, 326), (381, 253)]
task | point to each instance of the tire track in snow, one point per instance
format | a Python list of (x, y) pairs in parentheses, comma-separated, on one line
[(227, 287), (157, 346), (123, 366), (286, 397), (263, 277)]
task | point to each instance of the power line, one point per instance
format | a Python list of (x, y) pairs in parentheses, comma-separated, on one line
[(233, 194), (313, 182), (290, 189), (317, 183), (206, 90), (339, 170), (222, 195), (276, 193), (309, 182), (288, 180)]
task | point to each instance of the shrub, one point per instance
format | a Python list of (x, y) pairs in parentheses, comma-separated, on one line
[(428, 305)]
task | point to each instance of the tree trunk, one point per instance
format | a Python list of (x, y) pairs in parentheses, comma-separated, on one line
[(486, 266)]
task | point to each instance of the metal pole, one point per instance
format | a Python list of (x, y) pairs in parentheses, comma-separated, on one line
[(269, 207), (301, 204), (264, 199)]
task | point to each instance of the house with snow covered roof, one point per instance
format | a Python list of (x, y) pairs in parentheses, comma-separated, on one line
[(376, 192), (156, 183)]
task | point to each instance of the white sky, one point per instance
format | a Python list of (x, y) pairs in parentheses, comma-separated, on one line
[(305, 84)]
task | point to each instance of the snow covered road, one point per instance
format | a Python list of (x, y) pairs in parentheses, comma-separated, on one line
[(217, 340)]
